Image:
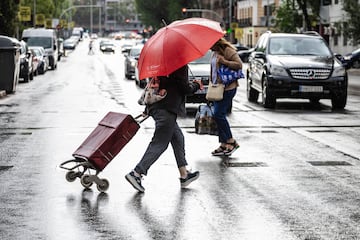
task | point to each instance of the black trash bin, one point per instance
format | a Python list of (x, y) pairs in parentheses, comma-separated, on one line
[(9, 63)]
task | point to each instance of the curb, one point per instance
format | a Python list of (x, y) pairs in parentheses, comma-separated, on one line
[(2, 93)]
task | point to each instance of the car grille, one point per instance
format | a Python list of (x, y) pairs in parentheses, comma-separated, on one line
[(204, 79), (310, 73)]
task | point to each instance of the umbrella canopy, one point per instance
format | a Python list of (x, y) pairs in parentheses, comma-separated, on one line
[(177, 44)]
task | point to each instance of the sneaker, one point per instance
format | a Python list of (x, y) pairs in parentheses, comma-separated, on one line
[(135, 181), (191, 176)]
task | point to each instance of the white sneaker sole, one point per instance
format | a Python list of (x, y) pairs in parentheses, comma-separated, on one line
[(134, 183), (185, 184)]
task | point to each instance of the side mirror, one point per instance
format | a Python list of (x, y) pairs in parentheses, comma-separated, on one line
[(259, 55)]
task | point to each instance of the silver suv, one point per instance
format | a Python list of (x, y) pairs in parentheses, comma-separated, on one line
[(295, 66)]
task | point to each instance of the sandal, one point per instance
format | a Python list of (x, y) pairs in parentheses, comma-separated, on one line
[(219, 151), (229, 151)]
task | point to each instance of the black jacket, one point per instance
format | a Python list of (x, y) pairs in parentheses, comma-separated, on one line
[(177, 86)]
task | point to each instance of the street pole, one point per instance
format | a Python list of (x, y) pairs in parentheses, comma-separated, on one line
[(34, 20), (91, 18)]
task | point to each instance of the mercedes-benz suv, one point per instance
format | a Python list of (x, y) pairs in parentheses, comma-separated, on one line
[(295, 66)]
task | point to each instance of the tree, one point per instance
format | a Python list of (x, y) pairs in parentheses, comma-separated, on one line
[(8, 17), (288, 19), (154, 12), (285, 16), (352, 28)]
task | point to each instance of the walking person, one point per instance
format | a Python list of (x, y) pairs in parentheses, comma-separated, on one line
[(165, 113), (224, 53)]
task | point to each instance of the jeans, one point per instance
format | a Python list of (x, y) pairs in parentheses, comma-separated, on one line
[(220, 110), (166, 131)]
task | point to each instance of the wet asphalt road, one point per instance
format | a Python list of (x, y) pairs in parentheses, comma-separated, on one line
[(295, 176)]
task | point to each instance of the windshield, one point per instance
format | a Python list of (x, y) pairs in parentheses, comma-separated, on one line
[(204, 59), (134, 52), (298, 46), (44, 42)]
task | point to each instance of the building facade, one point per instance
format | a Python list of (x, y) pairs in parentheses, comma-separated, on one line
[(250, 18)]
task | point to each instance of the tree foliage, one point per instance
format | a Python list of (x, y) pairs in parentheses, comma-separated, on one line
[(292, 14), (154, 12), (8, 15), (285, 16), (352, 27)]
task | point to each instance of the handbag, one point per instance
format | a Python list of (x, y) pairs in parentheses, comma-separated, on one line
[(215, 91), (228, 75), (152, 93)]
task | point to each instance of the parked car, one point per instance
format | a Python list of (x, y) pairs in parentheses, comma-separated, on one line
[(130, 61), (200, 69), (108, 47), (244, 54), (295, 66), (70, 43), (26, 62), (352, 59), (47, 38), (41, 58)]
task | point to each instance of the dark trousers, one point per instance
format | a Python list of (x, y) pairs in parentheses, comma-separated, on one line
[(220, 111), (166, 131)]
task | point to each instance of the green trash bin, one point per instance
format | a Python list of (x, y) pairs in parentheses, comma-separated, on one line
[(9, 63)]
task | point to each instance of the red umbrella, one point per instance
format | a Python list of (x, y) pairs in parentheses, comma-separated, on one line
[(177, 44)]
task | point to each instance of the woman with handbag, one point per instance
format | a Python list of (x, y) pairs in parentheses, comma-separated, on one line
[(224, 54)]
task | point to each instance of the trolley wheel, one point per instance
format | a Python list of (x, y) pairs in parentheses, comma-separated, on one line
[(71, 176), (103, 186), (85, 181)]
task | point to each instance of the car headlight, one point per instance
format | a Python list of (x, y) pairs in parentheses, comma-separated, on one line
[(278, 71), (347, 58), (339, 71), (133, 63)]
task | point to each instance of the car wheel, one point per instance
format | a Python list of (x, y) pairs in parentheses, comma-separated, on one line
[(252, 94), (268, 100), (339, 102), (142, 83), (314, 100), (26, 78)]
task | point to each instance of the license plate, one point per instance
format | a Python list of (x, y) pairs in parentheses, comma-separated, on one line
[(310, 88)]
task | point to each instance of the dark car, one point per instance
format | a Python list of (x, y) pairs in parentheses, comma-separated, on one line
[(26, 62), (244, 54), (130, 61), (352, 59), (295, 66), (200, 69), (108, 47)]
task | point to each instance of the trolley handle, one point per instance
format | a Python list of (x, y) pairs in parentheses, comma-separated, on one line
[(141, 118)]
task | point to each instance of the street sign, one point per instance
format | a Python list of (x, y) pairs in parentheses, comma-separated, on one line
[(40, 19), (48, 23), (239, 33), (25, 14)]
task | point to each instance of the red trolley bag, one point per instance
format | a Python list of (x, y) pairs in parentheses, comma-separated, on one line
[(113, 132)]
